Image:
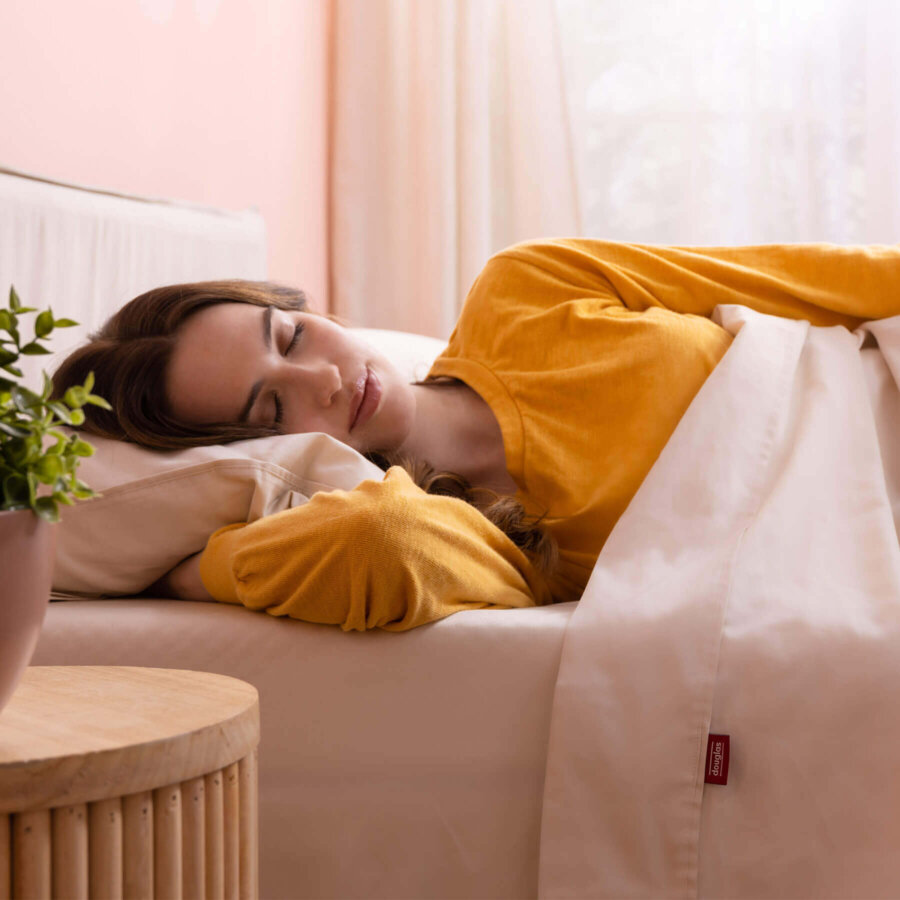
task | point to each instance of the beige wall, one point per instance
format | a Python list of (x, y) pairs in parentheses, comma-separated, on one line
[(219, 102)]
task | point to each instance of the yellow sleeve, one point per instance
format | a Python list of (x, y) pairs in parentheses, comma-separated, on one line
[(826, 284), (384, 555)]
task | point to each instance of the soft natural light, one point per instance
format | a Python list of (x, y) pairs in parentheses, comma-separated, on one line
[(719, 122)]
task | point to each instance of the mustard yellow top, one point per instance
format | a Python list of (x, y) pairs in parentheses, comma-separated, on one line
[(384, 555), (588, 353)]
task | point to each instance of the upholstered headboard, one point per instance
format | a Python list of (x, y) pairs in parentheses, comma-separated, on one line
[(84, 251)]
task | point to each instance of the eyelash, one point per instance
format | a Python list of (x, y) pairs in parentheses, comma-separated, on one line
[(296, 337), (279, 409)]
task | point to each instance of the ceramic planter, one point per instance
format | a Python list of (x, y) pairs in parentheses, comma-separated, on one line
[(27, 546)]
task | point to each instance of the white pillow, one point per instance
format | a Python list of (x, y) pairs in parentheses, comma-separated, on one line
[(158, 507)]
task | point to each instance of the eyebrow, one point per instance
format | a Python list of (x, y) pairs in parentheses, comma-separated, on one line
[(267, 340)]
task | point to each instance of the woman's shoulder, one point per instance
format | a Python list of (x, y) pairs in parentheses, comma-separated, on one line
[(534, 252), (547, 270), (532, 277)]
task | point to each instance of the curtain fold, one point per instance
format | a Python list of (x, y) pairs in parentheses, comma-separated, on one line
[(449, 142), (459, 127)]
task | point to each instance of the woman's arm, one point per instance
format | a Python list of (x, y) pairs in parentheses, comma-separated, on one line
[(181, 583), (384, 555), (826, 284)]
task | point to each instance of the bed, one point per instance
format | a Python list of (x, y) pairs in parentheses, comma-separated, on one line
[(391, 765), (750, 592)]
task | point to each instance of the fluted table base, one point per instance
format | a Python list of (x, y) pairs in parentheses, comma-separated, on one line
[(193, 840)]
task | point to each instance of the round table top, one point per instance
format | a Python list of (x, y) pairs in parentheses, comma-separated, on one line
[(75, 734)]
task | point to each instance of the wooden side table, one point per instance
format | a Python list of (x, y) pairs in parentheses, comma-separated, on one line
[(118, 781)]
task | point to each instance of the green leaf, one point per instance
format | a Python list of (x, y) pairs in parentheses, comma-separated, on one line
[(15, 490), (48, 468), (61, 411), (17, 453), (43, 325), (75, 397), (35, 349), (94, 400), (33, 455), (46, 508), (14, 430), (81, 448), (24, 398), (80, 490)]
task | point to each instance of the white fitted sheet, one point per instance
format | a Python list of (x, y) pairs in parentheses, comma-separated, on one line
[(391, 765)]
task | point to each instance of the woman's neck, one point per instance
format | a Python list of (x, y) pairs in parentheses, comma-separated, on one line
[(455, 430)]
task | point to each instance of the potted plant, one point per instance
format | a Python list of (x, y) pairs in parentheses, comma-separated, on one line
[(37, 473)]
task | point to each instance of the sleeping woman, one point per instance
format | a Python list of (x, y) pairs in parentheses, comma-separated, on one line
[(506, 468)]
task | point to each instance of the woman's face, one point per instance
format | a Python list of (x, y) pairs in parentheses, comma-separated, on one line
[(238, 362)]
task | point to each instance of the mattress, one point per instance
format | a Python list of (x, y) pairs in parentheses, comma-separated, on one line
[(403, 765)]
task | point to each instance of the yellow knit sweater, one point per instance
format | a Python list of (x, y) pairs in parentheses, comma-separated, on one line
[(588, 353)]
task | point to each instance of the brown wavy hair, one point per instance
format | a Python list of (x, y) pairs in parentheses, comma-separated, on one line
[(130, 355)]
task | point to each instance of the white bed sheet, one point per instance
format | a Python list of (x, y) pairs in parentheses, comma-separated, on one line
[(391, 765), (751, 589)]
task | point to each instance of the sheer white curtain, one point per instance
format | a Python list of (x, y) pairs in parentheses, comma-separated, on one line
[(722, 122), (461, 126), (449, 141)]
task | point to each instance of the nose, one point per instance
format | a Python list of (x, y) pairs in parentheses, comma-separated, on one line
[(320, 380)]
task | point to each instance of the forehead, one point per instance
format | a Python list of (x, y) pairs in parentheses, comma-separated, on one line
[(218, 353)]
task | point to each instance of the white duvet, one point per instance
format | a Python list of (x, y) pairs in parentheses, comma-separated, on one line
[(751, 589)]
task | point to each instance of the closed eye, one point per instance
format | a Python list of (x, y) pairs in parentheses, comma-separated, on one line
[(279, 409), (298, 330)]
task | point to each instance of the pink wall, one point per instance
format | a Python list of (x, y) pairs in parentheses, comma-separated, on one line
[(220, 102)]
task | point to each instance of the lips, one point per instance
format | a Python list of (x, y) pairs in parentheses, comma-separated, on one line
[(358, 397), (367, 398)]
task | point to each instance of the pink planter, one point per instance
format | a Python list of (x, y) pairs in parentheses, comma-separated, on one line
[(27, 545)]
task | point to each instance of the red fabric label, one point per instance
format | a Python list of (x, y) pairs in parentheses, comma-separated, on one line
[(717, 750)]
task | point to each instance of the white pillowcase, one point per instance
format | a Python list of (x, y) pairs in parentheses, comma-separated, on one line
[(158, 507)]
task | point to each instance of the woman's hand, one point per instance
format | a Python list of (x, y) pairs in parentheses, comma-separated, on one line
[(183, 582)]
